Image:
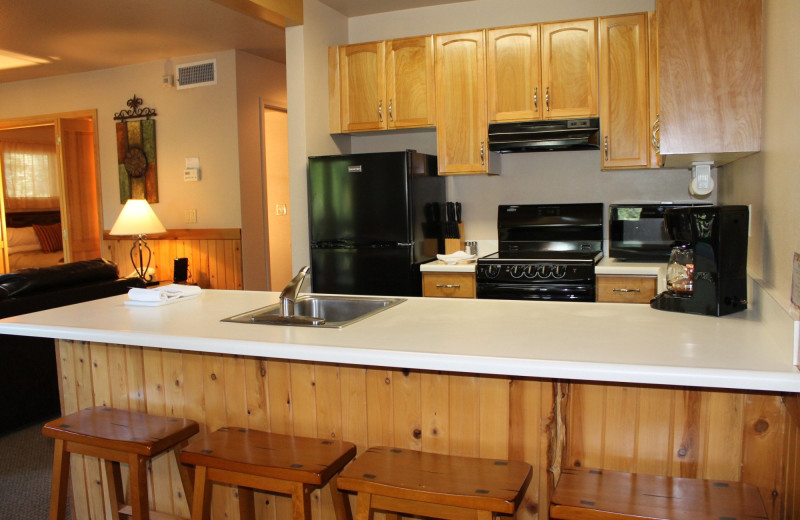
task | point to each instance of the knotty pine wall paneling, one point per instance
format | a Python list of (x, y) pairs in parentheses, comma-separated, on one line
[(442, 412), (215, 255)]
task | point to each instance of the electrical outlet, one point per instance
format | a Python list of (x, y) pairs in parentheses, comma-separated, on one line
[(190, 216)]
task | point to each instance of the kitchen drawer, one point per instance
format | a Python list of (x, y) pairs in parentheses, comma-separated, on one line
[(626, 289), (448, 285)]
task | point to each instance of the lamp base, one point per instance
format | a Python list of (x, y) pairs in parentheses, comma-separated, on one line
[(141, 270)]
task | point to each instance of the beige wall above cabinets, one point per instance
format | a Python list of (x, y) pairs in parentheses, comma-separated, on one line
[(624, 92), (709, 56), (382, 85)]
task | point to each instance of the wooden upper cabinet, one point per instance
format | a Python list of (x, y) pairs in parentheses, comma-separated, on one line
[(363, 86), (409, 83), (709, 56), (624, 99), (514, 74), (569, 69), (461, 112), (382, 85)]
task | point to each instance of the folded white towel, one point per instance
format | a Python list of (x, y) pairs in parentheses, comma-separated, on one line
[(167, 292)]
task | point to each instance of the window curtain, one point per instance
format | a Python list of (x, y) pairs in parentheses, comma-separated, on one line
[(30, 176)]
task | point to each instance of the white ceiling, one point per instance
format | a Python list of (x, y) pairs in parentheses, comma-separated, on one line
[(83, 35)]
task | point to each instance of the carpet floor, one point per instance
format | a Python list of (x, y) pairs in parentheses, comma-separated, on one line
[(26, 463)]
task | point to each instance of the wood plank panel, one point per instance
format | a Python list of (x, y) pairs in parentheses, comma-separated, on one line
[(215, 255), (490, 416)]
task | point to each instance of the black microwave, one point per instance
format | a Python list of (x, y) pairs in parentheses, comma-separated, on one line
[(637, 231)]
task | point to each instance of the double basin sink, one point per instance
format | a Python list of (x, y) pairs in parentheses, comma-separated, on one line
[(319, 311)]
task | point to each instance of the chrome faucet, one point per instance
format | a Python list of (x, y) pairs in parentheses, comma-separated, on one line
[(291, 292)]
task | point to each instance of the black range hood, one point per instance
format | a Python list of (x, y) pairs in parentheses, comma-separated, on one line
[(545, 136)]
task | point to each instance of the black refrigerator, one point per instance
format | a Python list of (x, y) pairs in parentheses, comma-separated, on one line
[(373, 219)]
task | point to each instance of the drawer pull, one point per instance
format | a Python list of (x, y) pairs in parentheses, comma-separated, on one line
[(626, 290), (448, 286)]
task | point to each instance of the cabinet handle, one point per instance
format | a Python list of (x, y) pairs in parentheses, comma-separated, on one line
[(547, 98), (626, 290), (380, 110), (535, 99), (656, 141), (391, 116), (483, 163), (605, 146), (447, 286)]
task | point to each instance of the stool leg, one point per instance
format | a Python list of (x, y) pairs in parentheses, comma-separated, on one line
[(247, 504), (301, 501), (138, 487), (187, 475), (201, 500), (486, 515), (364, 506), (115, 491), (341, 505), (60, 479)]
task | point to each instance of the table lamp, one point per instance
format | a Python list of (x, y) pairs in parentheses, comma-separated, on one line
[(138, 219)]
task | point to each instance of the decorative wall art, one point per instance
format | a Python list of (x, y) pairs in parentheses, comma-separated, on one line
[(136, 152)]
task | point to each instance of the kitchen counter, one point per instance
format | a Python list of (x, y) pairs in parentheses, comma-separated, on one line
[(558, 340)]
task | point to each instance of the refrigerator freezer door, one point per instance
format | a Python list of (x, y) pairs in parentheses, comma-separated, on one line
[(360, 198), (370, 271)]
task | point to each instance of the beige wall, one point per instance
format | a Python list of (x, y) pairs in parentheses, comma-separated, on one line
[(198, 122), (526, 178), (770, 180)]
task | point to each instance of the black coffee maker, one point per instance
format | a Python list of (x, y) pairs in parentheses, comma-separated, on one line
[(707, 272)]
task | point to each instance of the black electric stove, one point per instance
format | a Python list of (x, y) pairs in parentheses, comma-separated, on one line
[(546, 252)]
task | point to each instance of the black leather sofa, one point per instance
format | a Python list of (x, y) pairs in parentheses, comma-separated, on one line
[(28, 375)]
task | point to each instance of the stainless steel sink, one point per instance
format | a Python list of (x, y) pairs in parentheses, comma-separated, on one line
[(319, 311)]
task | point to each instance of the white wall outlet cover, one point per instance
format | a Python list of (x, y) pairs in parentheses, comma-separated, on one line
[(702, 184), (191, 174)]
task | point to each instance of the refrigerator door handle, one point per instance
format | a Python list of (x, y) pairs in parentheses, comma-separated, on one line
[(405, 244)]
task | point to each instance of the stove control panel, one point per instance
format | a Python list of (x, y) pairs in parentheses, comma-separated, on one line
[(533, 272)]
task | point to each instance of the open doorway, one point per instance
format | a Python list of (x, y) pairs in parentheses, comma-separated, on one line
[(276, 161), (59, 213)]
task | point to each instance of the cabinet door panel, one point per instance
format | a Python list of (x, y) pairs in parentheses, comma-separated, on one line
[(624, 101), (514, 78), (410, 86), (461, 121), (363, 87), (569, 69)]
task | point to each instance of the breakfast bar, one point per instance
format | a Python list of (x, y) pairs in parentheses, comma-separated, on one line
[(613, 386)]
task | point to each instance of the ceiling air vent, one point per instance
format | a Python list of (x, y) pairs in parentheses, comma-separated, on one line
[(198, 74)]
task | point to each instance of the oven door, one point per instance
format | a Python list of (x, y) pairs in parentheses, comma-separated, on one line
[(573, 292)]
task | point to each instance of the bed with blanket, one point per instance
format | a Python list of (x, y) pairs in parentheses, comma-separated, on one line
[(34, 240)]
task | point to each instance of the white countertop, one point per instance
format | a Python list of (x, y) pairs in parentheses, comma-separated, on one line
[(564, 340)]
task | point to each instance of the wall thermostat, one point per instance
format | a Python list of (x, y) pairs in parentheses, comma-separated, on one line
[(191, 174)]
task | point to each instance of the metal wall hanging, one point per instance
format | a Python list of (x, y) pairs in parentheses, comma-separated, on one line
[(136, 152)]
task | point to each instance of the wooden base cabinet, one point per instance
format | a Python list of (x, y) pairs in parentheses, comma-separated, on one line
[(448, 285), (626, 289)]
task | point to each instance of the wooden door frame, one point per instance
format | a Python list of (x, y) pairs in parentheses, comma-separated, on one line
[(52, 119)]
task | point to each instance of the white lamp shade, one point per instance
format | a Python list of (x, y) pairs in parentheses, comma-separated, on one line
[(137, 218)]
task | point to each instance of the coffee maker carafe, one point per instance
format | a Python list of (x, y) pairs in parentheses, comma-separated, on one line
[(707, 272)]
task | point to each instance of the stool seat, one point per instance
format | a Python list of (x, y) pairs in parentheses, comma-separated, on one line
[(267, 461), (584, 493), (116, 436), (411, 482)]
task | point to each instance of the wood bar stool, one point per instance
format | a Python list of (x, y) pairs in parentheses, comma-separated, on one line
[(411, 482), (271, 462), (593, 494), (115, 436)]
